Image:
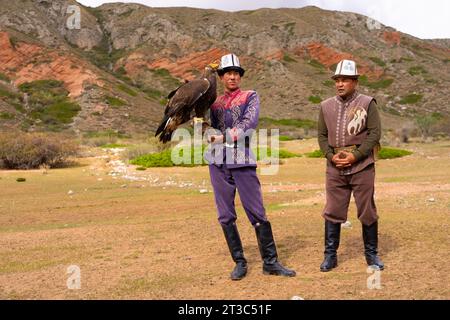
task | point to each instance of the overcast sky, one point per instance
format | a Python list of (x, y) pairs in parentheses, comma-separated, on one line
[(423, 19)]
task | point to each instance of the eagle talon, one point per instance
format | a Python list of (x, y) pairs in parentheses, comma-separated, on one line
[(198, 120)]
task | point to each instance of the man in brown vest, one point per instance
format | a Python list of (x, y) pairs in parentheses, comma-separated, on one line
[(349, 129)]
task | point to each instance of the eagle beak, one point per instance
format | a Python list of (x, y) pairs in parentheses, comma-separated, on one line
[(213, 65)]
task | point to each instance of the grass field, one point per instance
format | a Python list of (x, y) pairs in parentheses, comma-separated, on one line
[(154, 235)]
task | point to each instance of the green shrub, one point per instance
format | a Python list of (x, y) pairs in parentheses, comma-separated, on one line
[(162, 72), (411, 99), (417, 70), (4, 77), (6, 116), (425, 123), (4, 92), (284, 154), (315, 99), (137, 150), (384, 153), (285, 138), (60, 112), (153, 93), (381, 84), (49, 102), (390, 153), (106, 133), (316, 64), (113, 145), (378, 61), (115, 102), (268, 152), (20, 150), (298, 123), (102, 138), (288, 58), (315, 154), (127, 90), (159, 159), (163, 158), (328, 83)]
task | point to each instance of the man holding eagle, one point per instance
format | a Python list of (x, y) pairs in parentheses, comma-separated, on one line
[(233, 115)]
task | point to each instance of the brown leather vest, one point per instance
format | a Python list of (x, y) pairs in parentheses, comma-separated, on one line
[(347, 125)]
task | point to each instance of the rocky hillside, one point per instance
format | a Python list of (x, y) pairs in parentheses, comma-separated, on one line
[(114, 72)]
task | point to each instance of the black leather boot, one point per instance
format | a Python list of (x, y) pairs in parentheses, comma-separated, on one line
[(332, 238), (370, 237), (237, 252), (268, 251)]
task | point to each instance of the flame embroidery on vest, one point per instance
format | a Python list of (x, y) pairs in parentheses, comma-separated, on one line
[(358, 122)]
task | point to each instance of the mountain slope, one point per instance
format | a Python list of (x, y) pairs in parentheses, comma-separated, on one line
[(126, 57)]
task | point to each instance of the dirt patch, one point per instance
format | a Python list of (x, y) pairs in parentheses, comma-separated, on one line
[(157, 241)]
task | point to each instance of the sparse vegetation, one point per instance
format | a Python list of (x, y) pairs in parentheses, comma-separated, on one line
[(4, 77), (115, 102), (378, 61), (6, 116), (391, 153), (49, 103), (288, 58), (166, 78), (380, 84), (328, 83), (411, 99), (159, 159), (127, 90), (417, 70), (290, 27), (298, 123), (285, 138), (114, 145), (315, 154), (425, 123), (315, 99), (316, 64), (164, 158), (153, 93), (384, 153), (20, 150)]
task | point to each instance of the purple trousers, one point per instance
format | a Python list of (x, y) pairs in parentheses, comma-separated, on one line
[(225, 181)]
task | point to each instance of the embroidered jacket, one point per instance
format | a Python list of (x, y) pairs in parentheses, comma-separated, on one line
[(239, 110), (354, 121)]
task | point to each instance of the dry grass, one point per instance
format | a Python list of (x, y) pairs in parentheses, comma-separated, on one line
[(146, 241)]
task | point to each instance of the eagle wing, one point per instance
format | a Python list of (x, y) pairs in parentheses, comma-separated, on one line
[(181, 103), (186, 96)]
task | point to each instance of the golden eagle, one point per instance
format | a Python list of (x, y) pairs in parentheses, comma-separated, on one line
[(195, 96)]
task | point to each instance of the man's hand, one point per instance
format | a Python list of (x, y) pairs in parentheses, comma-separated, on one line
[(343, 159), (215, 138), (234, 134)]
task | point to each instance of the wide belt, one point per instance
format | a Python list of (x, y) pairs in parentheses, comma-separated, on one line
[(346, 149)]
